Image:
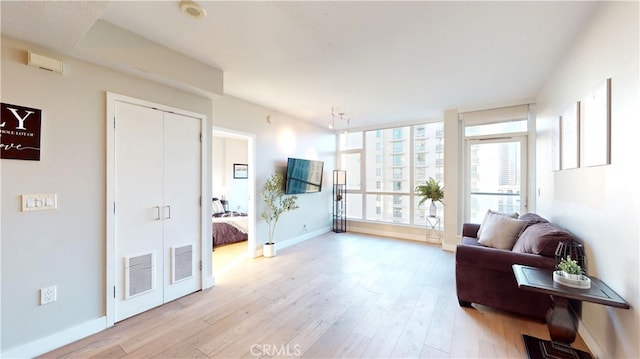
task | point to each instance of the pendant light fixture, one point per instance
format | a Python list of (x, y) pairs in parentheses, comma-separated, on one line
[(332, 125), (333, 120)]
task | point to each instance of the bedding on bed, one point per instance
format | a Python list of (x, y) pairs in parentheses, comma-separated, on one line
[(229, 229)]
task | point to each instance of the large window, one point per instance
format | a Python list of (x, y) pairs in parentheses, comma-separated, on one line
[(495, 161), (394, 161)]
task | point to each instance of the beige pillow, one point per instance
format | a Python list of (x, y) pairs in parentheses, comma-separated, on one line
[(489, 211), (500, 231)]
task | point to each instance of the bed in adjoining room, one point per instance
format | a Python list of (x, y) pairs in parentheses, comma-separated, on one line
[(228, 227)]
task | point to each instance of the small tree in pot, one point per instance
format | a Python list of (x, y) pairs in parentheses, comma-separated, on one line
[(431, 190), (277, 203)]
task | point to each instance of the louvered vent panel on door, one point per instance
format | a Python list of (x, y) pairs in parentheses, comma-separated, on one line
[(181, 260), (139, 274)]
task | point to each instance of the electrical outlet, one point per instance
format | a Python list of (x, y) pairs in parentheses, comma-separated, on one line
[(48, 295)]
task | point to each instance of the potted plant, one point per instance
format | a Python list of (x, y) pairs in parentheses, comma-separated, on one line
[(277, 204), (432, 191), (570, 273), (570, 268)]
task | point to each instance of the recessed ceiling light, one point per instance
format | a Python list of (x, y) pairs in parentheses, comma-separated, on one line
[(192, 9)]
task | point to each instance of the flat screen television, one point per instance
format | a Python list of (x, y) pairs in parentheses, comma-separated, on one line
[(303, 176)]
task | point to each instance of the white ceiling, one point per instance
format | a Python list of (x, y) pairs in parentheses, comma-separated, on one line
[(378, 62)]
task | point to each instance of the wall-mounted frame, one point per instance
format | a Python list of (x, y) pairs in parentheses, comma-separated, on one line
[(240, 170), (570, 141), (21, 127), (595, 123)]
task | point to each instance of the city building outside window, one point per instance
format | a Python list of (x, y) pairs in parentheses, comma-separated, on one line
[(386, 175), (397, 186), (397, 147)]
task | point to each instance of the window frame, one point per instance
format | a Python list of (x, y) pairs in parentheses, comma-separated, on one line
[(406, 134)]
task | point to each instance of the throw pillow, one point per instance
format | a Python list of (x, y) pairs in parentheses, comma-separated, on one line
[(542, 238), (500, 231), (217, 206), (489, 211), (532, 218)]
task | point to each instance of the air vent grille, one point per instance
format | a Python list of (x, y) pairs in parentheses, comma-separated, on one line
[(182, 263), (139, 274)]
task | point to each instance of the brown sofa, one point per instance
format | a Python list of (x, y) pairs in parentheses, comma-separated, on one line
[(484, 275)]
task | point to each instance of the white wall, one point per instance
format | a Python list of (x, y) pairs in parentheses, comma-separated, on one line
[(237, 193), (283, 137), (219, 171), (600, 205), (226, 152), (65, 247)]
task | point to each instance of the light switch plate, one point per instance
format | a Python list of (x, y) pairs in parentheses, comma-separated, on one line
[(39, 202)]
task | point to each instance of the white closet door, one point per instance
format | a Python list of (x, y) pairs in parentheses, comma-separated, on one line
[(182, 210), (138, 199)]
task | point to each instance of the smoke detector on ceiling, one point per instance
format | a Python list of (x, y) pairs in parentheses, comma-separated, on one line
[(192, 9)]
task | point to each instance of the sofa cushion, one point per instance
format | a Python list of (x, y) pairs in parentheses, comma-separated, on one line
[(500, 231), (470, 241), (532, 218), (542, 238), (470, 230), (491, 212)]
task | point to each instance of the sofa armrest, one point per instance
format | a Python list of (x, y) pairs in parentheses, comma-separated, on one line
[(499, 259), (470, 230)]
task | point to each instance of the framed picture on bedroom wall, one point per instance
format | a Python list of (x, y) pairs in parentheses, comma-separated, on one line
[(240, 170)]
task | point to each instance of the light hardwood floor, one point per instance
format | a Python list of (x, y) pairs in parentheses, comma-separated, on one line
[(338, 295), (228, 257)]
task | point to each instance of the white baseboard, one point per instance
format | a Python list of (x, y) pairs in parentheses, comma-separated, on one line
[(590, 341), (54, 341), (449, 247), (209, 282), (302, 238), (295, 240)]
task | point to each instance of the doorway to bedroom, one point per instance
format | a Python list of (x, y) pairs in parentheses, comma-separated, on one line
[(232, 200)]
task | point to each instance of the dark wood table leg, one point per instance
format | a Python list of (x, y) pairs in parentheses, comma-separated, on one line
[(561, 321), (537, 348), (563, 325)]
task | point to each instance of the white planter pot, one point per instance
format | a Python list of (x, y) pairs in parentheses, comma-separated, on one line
[(572, 276), (269, 250), (580, 281)]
